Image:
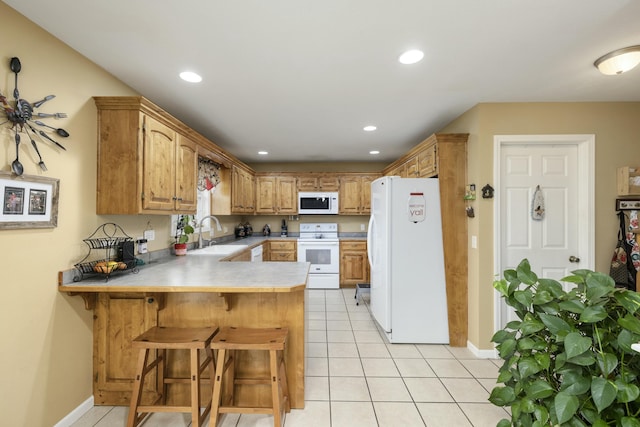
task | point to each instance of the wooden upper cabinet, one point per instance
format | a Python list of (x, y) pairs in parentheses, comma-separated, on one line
[(158, 165), (186, 175), (412, 168), (276, 194), (428, 161), (318, 182), (144, 165), (355, 194), (242, 190)]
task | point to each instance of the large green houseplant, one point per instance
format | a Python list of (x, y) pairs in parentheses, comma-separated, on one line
[(568, 359)]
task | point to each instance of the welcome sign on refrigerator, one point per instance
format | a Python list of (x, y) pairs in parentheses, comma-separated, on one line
[(408, 291)]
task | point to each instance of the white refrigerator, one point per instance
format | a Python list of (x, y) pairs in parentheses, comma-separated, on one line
[(408, 291)]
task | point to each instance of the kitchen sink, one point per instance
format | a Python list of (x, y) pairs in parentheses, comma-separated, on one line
[(218, 250)]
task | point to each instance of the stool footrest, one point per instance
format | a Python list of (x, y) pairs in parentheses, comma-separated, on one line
[(243, 410), (163, 408), (185, 380), (252, 381)]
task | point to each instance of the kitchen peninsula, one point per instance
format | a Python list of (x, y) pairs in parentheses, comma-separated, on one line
[(193, 291)]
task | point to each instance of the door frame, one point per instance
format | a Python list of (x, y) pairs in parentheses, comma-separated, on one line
[(586, 198)]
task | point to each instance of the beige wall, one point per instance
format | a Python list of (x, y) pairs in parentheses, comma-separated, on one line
[(617, 132)]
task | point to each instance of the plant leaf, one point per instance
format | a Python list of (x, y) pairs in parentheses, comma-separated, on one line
[(575, 344), (525, 275), (598, 285), (502, 336), (630, 422), (594, 313), (502, 287), (542, 297), (627, 392), (585, 359), (524, 297), (531, 325), (575, 383), (528, 366), (630, 322), (629, 300), (504, 423), (565, 406), (507, 348), (603, 393), (502, 396), (572, 305), (625, 339), (539, 389), (554, 323), (607, 362)]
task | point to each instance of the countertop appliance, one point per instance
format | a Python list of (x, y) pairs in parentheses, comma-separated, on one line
[(318, 244), (408, 289), (318, 203)]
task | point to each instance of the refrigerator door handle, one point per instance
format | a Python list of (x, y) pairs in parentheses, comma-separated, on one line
[(370, 241)]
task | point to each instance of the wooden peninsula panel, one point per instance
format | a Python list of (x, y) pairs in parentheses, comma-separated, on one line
[(194, 291)]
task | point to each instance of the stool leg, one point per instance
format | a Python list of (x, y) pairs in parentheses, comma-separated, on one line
[(136, 393), (161, 354), (275, 388), (217, 387), (195, 388), (284, 384), (212, 372)]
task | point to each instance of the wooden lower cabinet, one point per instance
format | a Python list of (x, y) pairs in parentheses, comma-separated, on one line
[(281, 250), (354, 264), (120, 317)]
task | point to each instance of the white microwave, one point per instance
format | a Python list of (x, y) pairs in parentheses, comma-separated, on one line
[(317, 203)]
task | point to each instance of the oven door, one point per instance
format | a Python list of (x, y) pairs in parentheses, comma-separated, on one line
[(323, 255)]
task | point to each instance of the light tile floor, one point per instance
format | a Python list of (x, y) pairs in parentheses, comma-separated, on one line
[(355, 378)]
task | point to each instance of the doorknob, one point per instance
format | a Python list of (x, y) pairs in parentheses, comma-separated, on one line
[(574, 259)]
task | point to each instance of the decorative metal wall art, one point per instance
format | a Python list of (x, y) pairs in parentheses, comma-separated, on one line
[(21, 114)]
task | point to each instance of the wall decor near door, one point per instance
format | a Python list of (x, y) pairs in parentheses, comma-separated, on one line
[(28, 201), (21, 114)]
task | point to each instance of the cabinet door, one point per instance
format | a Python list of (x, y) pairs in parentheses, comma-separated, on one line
[(427, 162), (242, 188), (287, 195), (265, 194), (354, 265), (249, 193), (186, 176), (350, 195), (118, 319), (328, 183), (366, 193), (412, 168), (158, 166), (308, 183)]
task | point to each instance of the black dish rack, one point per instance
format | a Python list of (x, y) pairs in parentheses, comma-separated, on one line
[(118, 248)]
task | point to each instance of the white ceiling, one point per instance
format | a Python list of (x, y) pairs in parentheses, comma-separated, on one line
[(301, 79)]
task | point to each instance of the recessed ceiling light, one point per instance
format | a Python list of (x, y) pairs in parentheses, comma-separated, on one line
[(190, 76), (374, 152), (369, 128), (263, 153), (411, 57)]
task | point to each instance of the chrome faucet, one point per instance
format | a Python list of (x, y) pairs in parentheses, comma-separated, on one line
[(200, 242)]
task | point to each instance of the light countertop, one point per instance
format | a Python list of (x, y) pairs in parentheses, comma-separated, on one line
[(202, 273)]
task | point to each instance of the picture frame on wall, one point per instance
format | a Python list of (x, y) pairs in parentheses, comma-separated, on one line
[(28, 201)]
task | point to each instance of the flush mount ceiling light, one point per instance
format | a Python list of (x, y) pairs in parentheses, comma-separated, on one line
[(411, 57), (263, 153), (190, 76), (369, 128), (374, 152), (619, 61)]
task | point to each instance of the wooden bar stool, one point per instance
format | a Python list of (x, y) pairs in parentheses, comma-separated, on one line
[(227, 342), (162, 339)]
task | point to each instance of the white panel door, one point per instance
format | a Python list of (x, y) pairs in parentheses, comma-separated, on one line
[(549, 244)]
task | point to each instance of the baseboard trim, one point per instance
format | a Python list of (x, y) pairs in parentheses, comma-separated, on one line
[(75, 415), (482, 354)]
